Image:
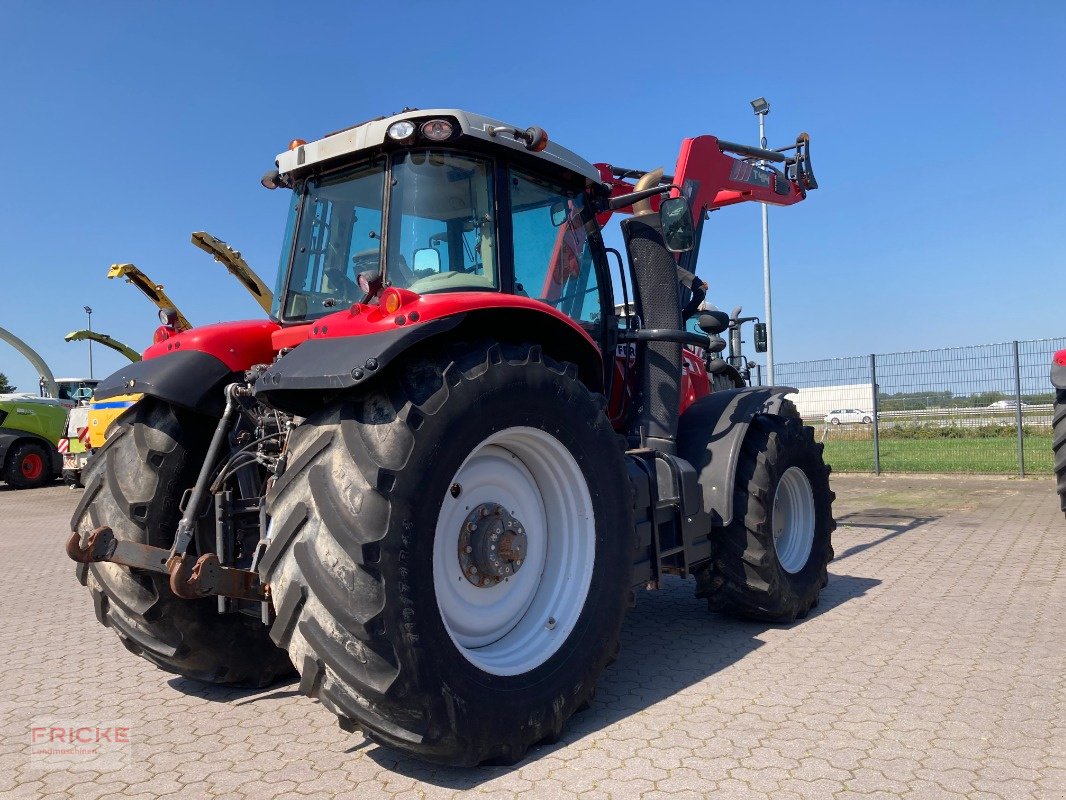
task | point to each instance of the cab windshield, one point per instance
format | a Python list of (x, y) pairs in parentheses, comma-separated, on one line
[(441, 232)]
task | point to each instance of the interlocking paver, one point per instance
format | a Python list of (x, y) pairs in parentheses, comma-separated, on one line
[(933, 667)]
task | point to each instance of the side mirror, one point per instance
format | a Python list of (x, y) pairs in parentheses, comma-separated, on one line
[(713, 322), (559, 212), (760, 337), (678, 231), (427, 258)]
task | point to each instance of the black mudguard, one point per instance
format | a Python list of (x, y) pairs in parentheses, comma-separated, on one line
[(710, 434), (189, 379), (1058, 374), (317, 370)]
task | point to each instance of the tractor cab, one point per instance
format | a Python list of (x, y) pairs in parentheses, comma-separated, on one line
[(440, 202)]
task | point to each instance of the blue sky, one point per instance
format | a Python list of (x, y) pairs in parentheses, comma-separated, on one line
[(937, 136)]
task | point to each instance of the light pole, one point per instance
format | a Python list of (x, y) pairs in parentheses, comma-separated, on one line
[(89, 327), (761, 108)]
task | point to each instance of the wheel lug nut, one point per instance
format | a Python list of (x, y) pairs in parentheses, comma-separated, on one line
[(470, 526), (550, 624), (468, 549)]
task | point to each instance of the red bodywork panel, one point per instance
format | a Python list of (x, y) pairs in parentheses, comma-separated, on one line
[(361, 320), (1060, 358), (238, 345)]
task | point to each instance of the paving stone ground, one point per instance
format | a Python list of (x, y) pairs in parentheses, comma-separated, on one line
[(933, 667)]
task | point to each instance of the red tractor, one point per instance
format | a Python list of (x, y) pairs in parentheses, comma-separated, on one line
[(1058, 424), (432, 480)]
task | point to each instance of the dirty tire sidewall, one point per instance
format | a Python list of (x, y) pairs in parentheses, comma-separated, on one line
[(134, 485), (745, 577), (367, 634)]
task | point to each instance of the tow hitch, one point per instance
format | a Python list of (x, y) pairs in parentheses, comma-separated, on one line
[(191, 581), (205, 578)]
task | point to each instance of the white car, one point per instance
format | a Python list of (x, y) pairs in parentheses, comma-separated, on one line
[(840, 415), (1002, 404)]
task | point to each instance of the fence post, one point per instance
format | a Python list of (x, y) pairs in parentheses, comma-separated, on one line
[(1018, 411), (877, 422)]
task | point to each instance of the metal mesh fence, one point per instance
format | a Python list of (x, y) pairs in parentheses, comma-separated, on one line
[(985, 408)]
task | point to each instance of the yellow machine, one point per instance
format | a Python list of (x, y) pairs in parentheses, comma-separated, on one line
[(236, 265), (150, 289), (105, 340)]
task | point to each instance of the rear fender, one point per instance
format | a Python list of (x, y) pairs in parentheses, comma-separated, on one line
[(711, 433), (188, 379), (340, 355), (191, 368)]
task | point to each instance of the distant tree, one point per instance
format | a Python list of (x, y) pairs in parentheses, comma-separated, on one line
[(1037, 399), (5, 387), (914, 401)]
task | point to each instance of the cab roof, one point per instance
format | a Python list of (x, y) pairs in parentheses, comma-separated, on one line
[(373, 133)]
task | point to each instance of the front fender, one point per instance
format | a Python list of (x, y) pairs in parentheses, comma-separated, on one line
[(1058, 370), (710, 434)]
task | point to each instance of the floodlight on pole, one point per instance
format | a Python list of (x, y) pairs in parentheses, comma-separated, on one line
[(761, 107), (89, 327)]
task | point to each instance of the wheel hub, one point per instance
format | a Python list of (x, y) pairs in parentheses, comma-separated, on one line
[(492, 545)]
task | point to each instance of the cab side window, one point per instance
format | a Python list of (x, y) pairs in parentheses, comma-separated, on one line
[(552, 258)]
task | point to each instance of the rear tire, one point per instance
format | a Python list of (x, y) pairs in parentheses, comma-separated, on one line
[(867, 421), (28, 466), (375, 602), (770, 562), (133, 485), (1058, 444)]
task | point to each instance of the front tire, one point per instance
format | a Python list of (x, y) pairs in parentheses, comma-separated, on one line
[(399, 614), (770, 562), (133, 485)]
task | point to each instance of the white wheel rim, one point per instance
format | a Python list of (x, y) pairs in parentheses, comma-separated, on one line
[(519, 623), (793, 520)]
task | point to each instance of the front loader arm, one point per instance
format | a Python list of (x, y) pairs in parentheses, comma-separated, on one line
[(236, 265), (150, 289), (106, 341), (713, 173)]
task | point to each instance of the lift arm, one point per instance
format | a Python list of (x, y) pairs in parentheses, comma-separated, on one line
[(712, 173), (34, 358), (236, 265), (153, 291), (106, 341)]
